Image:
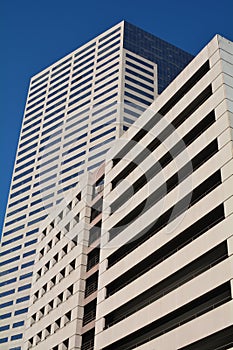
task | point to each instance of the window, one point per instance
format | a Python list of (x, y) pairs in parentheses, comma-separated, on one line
[(12, 280), (3, 340), (73, 149), (25, 286), (105, 92), (84, 50), (60, 76), (35, 104), (15, 220), (13, 249), (45, 180), (32, 93), (36, 85), (139, 99), (109, 34), (21, 300), (8, 303), (138, 82), (48, 116), (37, 220), (4, 316), (61, 64), (58, 84), (57, 97), (81, 83), (101, 102), (109, 40), (151, 73), (67, 188), (60, 70), (43, 190), (6, 293), (46, 171), (26, 164), (22, 144), (42, 199), (22, 190), (77, 122), (107, 62), (102, 143), (94, 165), (72, 166), (17, 210), (31, 252), (9, 261), (30, 263), (136, 74), (36, 97), (100, 52), (38, 78), (17, 238), (40, 209), (108, 54), (103, 125), (17, 336), (18, 324), (23, 174), (78, 106), (52, 128), (139, 91), (102, 135), (48, 161), (29, 274), (21, 311), (76, 131), (13, 230), (80, 58), (6, 272), (33, 241), (80, 98), (50, 144), (136, 59), (71, 176)]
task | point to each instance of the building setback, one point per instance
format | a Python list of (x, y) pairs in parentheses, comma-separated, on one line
[(75, 109), (140, 253)]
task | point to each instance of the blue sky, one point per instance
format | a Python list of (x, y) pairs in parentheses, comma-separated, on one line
[(34, 34)]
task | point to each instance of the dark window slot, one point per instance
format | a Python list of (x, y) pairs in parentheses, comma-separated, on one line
[(91, 284), (167, 107), (221, 340), (88, 340), (182, 315), (95, 232), (96, 209), (195, 230), (194, 196), (187, 273), (199, 100), (180, 146), (93, 258), (185, 88), (89, 312)]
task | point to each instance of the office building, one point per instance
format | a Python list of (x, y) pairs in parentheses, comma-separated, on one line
[(141, 254), (75, 109)]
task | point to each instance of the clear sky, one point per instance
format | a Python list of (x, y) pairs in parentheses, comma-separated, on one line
[(34, 34)]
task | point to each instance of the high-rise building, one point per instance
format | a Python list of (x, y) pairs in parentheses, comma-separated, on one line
[(75, 109), (140, 254)]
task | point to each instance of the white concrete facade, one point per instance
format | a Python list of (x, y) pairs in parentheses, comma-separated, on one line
[(60, 310), (171, 287)]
